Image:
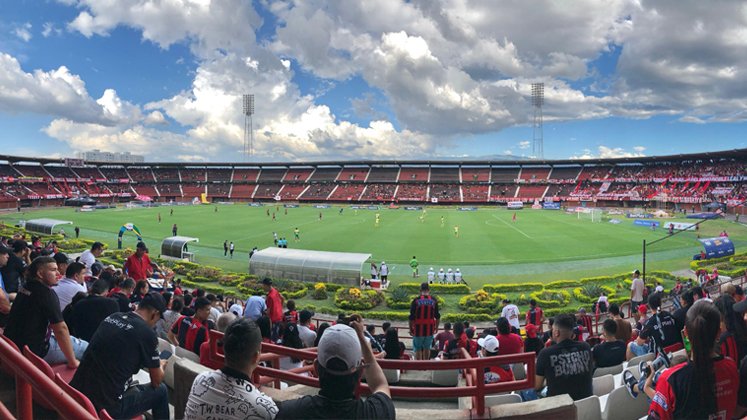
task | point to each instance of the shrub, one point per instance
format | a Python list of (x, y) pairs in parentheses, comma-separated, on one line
[(356, 299), (561, 284), (404, 303), (444, 289), (481, 302), (512, 287), (590, 293), (320, 292), (551, 298)]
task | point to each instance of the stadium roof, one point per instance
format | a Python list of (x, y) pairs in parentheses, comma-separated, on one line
[(724, 154)]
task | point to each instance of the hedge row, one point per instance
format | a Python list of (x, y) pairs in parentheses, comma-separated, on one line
[(540, 297), (512, 287), (444, 289)]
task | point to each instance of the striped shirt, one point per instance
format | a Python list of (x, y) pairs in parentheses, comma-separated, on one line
[(424, 314)]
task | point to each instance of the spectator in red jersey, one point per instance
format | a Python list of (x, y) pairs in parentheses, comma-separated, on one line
[(291, 315), (424, 318), (535, 315), (137, 265), (705, 386), (444, 336), (510, 343), (189, 332), (460, 341), (224, 320), (274, 302), (494, 373), (732, 341)]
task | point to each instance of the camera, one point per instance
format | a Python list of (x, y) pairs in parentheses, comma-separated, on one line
[(657, 364)]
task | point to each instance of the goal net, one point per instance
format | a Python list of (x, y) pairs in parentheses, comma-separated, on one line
[(592, 215)]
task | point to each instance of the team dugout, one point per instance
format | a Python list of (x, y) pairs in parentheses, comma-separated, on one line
[(305, 265)]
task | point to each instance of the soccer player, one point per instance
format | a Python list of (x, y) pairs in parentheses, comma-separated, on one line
[(456, 231), (441, 276), (297, 234), (273, 217), (443, 221), (431, 276), (225, 248), (159, 217), (231, 249), (414, 265), (513, 218), (173, 230), (341, 209), (320, 216), (171, 213)]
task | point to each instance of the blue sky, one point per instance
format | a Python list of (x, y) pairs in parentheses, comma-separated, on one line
[(346, 80)]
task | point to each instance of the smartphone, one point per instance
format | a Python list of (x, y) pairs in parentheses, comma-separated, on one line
[(165, 355)]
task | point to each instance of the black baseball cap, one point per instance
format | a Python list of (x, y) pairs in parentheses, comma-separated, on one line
[(141, 245), (4, 250), (267, 281), (305, 315), (61, 258), (155, 301)]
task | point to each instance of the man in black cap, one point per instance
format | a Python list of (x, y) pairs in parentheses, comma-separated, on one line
[(125, 343)]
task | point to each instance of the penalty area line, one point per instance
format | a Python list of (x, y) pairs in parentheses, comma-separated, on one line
[(511, 226)]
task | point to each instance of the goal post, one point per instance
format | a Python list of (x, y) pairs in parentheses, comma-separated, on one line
[(592, 215)]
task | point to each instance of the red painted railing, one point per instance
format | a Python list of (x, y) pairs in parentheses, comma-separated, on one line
[(29, 378), (476, 388)]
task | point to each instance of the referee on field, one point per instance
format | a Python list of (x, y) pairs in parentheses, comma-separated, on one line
[(424, 318)]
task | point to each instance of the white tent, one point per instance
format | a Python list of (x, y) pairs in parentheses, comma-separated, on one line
[(301, 264)]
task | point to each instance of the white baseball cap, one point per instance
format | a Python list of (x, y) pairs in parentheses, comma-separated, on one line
[(431, 268), (441, 269), (489, 343), (342, 342), (457, 269)]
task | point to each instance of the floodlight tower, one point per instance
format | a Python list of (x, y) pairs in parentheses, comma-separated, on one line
[(538, 99), (248, 125)]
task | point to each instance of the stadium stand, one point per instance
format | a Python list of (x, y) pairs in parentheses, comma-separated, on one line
[(267, 190), (445, 193), (412, 192), (298, 175), (379, 192), (414, 174), (60, 171), (323, 174), (444, 175), (476, 174), (88, 172), (218, 190), (271, 175), (243, 191), (141, 174), (531, 192), (114, 173), (353, 174), (35, 171), (193, 174), (292, 191), (475, 193), (170, 191), (594, 172), (383, 174), (191, 191), (219, 174), (166, 174), (565, 173), (245, 175), (530, 173), (504, 174), (146, 190), (318, 192), (347, 192)]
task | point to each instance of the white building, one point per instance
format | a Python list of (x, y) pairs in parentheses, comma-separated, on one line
[(96, 155)]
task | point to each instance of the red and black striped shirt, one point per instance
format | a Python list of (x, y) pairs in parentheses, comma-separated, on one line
[(423, 315)]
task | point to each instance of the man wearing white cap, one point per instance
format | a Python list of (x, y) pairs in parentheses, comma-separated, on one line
[(457, 276), (494, 373), (431, 275), (441, 276), (383, 272), (450, 276), (339, 367)]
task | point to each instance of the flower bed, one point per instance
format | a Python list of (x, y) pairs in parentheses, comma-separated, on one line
[(320, 292), (591, 293), (445, 289), (551, 298), (405, 304), (356, 299), (481, 302)]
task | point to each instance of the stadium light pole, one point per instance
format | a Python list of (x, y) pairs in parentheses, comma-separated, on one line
[(248, 108), (538, 99)]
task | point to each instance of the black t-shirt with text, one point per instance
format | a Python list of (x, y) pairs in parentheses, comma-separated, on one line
[(661, 328), (88, 314), (376, 406), (12, 272), (120, 347), (609, 353), (35, 308), (567, 368)]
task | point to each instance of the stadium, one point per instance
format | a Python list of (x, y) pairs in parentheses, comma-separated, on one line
[(373, 210)]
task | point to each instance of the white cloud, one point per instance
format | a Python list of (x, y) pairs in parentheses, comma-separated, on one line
[(525, 144), (23, 32), (605, 152), (50, 29)]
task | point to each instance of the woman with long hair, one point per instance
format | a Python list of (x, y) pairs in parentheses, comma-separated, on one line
[(391, 344), (141, 289), (704, 387), (732, 341)]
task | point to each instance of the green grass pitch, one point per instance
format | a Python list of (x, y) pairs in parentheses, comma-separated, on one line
[(541, 245)]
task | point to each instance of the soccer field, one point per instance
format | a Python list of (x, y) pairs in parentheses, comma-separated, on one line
[(540, 245)]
